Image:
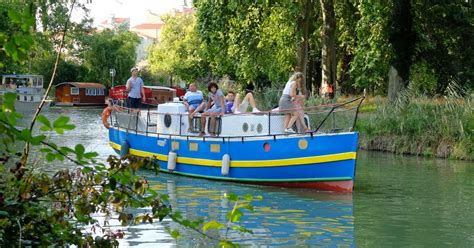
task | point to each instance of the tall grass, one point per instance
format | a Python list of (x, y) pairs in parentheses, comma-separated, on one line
[(442, 127)]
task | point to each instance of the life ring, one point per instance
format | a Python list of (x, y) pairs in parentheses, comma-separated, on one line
[(105, 117)]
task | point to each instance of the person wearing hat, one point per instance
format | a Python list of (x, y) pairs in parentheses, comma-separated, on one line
[(135, 90)]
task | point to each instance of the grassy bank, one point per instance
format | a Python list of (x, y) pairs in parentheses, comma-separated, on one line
[(442, 127)]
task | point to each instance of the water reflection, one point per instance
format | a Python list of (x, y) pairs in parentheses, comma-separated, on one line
[(398, 201), (283, 218), (406, 200)]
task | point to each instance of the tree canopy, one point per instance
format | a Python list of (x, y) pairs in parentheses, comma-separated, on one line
[(427, 42)]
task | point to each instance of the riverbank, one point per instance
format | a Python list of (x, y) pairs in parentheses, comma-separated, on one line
[(441, 127)]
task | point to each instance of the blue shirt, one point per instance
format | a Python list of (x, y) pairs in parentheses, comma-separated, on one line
[(228, 106), (135, 87), (193, 97)]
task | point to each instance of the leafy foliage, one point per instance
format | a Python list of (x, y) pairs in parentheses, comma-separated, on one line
[(41, 210), (14, 35), (418, 125), (374, 51), (110, 49), (249, 41), (179, 52), (445, 31)]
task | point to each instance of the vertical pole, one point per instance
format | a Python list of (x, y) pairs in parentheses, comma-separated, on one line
[(180, 123), (269, 120)]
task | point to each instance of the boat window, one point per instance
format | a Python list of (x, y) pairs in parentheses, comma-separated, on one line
[(167, 120), (31, 98), (245, 127), (74, 91), (259, 128), (24, 98), (92, 92)]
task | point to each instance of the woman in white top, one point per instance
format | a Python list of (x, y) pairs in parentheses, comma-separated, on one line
[(286, 104)]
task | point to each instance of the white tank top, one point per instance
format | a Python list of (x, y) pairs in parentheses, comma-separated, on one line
[(287, 89)]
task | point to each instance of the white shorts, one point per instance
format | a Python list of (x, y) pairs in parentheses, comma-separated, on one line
[(243, 107)]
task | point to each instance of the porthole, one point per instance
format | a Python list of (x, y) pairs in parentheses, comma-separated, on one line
[(266, 147), (245, 127), (259, 128), (303, 144), (167, 120)]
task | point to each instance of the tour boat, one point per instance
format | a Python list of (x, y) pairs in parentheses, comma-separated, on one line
[(28, 88), (246, 148)]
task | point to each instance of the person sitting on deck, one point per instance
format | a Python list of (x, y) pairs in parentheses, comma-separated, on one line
[(218, 109), (193, 100), (238, 107), (229, 101), (287, 102)]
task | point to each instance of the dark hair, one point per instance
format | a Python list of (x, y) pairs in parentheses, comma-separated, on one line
[(230, 92), (210, 85), (249, 88)]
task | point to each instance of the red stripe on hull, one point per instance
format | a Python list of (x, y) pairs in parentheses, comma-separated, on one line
[(337, 186)]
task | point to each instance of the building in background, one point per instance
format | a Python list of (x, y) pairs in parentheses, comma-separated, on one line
[(114, 22), (149, 33)]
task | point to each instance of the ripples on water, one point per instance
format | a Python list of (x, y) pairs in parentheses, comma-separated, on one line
[(398, 201)]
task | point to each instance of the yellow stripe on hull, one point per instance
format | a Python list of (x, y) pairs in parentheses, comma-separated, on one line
[(247, 163)]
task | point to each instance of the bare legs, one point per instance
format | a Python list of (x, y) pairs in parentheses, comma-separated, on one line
[(191, 113), (296, 116), (212, 123), (249, 98)]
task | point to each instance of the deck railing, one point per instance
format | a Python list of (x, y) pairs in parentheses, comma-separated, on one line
[(329, 118)]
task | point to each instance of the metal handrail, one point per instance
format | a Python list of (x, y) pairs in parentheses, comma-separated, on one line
[(334, 108)]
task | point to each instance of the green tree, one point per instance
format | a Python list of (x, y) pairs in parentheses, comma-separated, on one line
[(250, 41), (374, 51), (346, 34), (178, 53), (445, 31), (110, 49), (41, 210)]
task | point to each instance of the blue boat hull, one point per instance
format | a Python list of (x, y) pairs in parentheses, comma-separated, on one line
[(325, 162)]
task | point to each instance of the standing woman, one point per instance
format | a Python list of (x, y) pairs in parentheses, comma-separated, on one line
[(286, 104)]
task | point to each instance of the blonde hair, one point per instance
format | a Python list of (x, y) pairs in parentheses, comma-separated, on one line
[(296, 75)]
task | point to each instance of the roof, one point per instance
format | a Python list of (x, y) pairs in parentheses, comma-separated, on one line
[(159, 88), (149, 26), (116, 20), (83, 85), (21, 75)]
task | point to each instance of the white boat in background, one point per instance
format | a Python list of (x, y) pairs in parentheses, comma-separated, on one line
[(28, 88)]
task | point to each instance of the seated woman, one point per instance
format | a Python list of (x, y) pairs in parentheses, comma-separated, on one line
[(287, 103), (193, 100), (218, 109), (242, 107)]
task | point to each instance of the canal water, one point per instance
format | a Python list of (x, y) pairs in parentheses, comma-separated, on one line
[(399, 201)]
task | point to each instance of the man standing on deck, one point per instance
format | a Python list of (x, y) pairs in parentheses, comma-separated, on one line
[(135, 90)]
